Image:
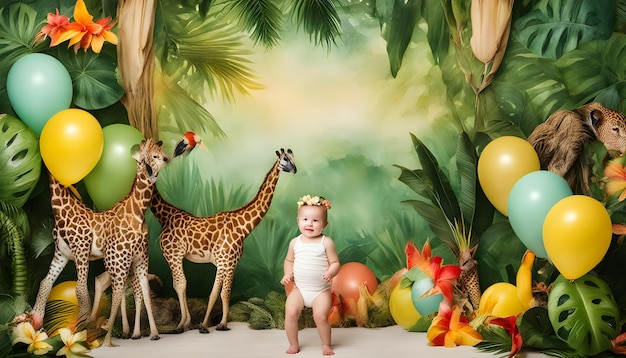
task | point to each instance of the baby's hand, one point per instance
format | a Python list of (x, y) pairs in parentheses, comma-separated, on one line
[(286, 279), (327, 276)]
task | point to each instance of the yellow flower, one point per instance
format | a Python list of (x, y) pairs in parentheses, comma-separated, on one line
[(74, 343), (450, 328), (25, 333), (615, 178), (491, 21)]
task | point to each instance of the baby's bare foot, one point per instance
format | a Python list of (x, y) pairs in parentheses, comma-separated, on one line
[(327, 351), (292, 350)]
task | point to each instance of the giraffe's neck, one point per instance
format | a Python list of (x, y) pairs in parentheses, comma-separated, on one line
[(258, 206), (137, 200)]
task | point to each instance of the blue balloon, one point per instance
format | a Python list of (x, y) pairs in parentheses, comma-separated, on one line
[(38, 87), (530, 199), (428, 304)]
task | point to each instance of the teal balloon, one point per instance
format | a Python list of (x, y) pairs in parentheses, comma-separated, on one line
[(112, 178), (38, 87), (428, 304), (530, 199)]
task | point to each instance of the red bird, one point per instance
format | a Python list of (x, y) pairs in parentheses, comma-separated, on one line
[(187, 143)]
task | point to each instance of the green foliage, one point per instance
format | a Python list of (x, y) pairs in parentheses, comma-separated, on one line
[(92, 73), (595, 71), (457, 222), (319, 19), (499, 254), (555, 27), (20, 161), (259, 313), (14, 238), (584, 313), (262, 18), (397, 23), (536, 330)]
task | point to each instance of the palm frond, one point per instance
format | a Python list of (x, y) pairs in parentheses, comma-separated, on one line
[(319, 19), (14, 238), (204, 54), (262, 18)]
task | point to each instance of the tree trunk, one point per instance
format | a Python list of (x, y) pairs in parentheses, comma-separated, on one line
[(135, 54)]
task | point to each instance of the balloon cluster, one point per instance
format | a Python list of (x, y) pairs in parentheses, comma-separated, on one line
[(572, 231), (73, 144)]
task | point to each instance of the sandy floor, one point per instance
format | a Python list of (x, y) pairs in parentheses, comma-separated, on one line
[(242, 341)]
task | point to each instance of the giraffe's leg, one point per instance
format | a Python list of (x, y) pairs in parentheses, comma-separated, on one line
[(119, 272), (140, 269), (56, 267), (180, 286), (103, 281), (81, 261), (215, 292), (225, 295), (136, 285)]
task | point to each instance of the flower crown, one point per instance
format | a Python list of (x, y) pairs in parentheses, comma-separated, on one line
[(314, 200)]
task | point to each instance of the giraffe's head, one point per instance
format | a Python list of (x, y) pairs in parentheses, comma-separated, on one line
[(285, 161), (150, 157)]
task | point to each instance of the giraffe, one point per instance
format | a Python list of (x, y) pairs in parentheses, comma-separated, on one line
[(216, 239), (82, 234)]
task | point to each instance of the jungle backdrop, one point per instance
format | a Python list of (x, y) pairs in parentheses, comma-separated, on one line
[(353, 88)]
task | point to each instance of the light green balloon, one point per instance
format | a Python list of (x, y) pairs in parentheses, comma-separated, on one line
[(38, 87), (112, 178)]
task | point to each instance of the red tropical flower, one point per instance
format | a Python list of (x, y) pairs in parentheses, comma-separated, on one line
[(443, 276), (57, 25), (510, 325)]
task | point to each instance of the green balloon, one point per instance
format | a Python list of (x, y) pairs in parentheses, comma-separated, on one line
[(112, 178), (38, 87)]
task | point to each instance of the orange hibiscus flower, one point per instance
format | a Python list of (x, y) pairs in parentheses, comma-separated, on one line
[(450, 328)]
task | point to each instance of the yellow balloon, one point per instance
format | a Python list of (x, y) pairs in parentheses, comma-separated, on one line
[(71, 144), (577, 233), (502, 163), (401, 307), (501, 300)]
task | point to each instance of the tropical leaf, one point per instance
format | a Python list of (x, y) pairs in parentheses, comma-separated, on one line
[(20, 161), (204, 54), (438, 34), (58, 314), (536, 330), (445, 197), (94, 78), (530, 87), (319, 19), (15, 242), (262, 18), (595, 71), (555, 27), (19, 24), (476, 209), (620, 16), (398, 30), (584, 313), (495, 339), (498, 254)]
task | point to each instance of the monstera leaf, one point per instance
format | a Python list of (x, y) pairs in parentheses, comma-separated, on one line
[(596, 70), (555, 27), (584, 313), (20, 161)]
